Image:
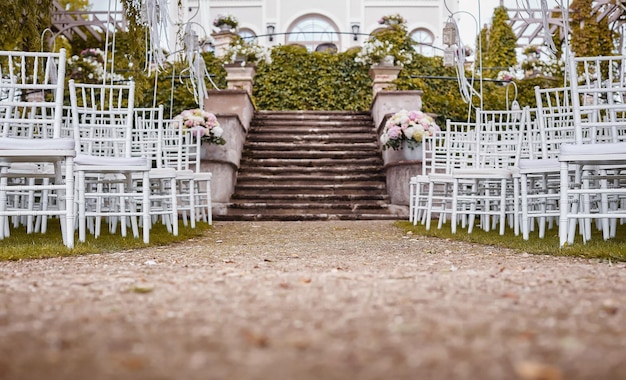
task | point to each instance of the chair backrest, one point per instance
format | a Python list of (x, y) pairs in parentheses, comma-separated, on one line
[(598, 86), (554, 122), (147, 134), (31, 93), (502, 137), (460, 145), (434, 153), (181, 148), (102, 118)]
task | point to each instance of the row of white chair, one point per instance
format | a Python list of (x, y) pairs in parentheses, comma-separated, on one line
[(563, 161), (100, 159)]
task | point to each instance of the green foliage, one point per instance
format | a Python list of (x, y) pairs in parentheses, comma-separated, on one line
[(500, 53), (590, 37), (23, 22), (176, 76), (300, 80)]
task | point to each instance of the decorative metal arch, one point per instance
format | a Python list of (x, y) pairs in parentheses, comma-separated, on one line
[(527, 24)]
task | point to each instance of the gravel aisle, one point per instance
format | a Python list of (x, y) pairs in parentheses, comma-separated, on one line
[(313, 300)]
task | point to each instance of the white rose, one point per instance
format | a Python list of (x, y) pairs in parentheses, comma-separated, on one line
[(409, 132), (217, 131)]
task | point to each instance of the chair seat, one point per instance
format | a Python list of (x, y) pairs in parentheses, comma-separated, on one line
[(115, 162), (12, 143), (482, 173), (544, 165), (590, 154)]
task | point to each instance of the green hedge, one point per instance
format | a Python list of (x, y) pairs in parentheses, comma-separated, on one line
[(300, 80)]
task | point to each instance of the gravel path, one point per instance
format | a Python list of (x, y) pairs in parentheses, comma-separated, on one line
[(313, 300)]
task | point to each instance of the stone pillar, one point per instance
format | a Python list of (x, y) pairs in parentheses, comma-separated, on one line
[(221, 42), (240, 77), (383, 77)]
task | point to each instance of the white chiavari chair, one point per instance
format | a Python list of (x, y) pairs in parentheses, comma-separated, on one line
[(106, 171), (36, 159)]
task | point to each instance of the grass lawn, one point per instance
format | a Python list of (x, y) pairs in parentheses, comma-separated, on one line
[(614, 249), (21, 245)]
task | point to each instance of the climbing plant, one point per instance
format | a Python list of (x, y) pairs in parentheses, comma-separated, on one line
[(297, 79)]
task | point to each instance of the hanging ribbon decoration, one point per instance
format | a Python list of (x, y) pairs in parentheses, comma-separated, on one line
[(155, 16), (197, 66)]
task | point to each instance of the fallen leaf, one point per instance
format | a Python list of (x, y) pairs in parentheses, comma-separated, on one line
[(528, 370), (255, 339)]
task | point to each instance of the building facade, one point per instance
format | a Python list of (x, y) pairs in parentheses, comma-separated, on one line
[(321, 23)]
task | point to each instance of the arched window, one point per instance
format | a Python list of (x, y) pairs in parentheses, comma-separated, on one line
[(311, 31), (247, 34), (425, 40)]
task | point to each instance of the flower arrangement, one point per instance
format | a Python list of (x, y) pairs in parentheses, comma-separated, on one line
[(409, 126), (391, 20), (245, 52), (228, 20), (374, 51), (203, 125)]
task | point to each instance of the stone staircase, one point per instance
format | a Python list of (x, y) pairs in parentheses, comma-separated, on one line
[(310, 165)]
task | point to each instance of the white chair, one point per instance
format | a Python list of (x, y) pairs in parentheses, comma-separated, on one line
[(202, 181), (36, 162), (598, 155), (148, 137), (418, 185), (453, 149), (175, 152), (102, 119), (539, 173), (486, 188)]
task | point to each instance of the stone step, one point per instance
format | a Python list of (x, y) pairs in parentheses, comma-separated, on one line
[(351, 196), (287, 188), (311, 137), (312, 155), (295, 145), (288, 214), (356, 168), (250, 176), (348, 116), (310, 165)]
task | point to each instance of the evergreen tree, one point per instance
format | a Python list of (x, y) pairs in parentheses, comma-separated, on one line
[(589, 36), (23, 22), (501, 42)]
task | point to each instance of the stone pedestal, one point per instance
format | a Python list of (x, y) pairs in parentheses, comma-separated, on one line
[(221, 42), (383, 77), (399, 166), (234, 111), (240, 77)]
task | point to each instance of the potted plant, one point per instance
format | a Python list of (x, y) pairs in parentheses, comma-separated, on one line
[(226, 22)]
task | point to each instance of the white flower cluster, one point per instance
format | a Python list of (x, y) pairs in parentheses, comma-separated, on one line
[(374, 51), (92, 60), (248, 52)]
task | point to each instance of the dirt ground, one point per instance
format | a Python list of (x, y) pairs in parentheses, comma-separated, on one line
[(313, 300)]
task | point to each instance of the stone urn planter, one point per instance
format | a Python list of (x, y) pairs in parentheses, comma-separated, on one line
[(383, 76)]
